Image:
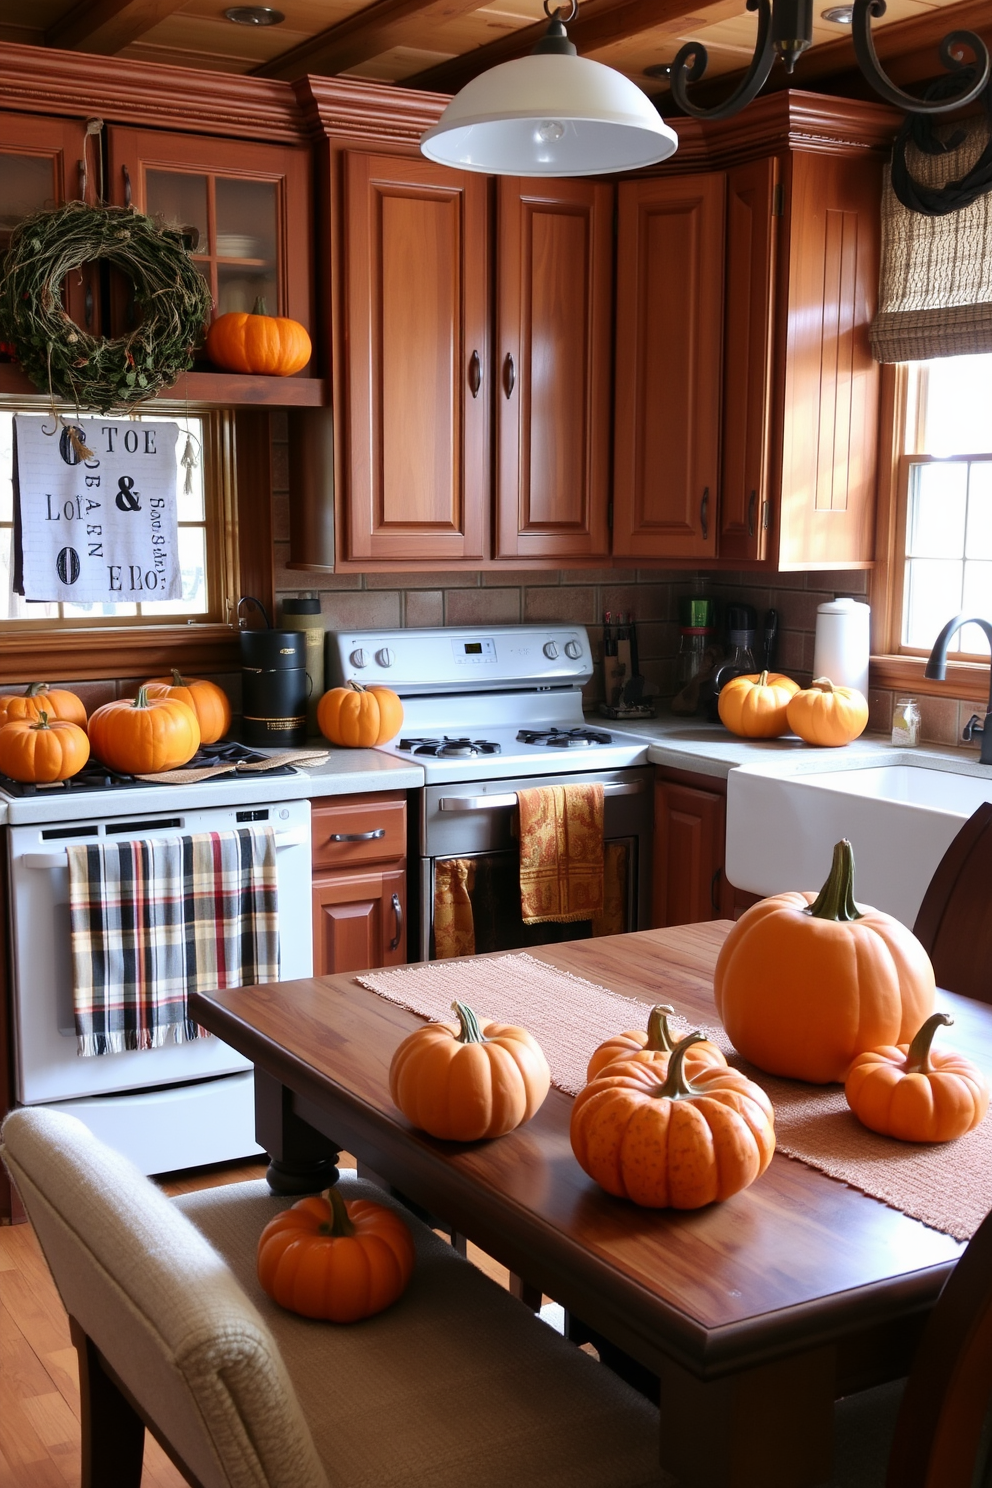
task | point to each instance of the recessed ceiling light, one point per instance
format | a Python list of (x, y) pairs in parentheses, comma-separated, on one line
[(839, 14), (254, 15)]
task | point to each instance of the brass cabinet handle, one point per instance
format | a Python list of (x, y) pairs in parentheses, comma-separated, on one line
[(704, 514), (509, 375), (751, 508), (474, 374), (127, 185), (358, 836), (398, 912)]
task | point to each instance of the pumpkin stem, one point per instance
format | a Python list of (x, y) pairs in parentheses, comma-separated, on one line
[(42, 722), (677, 1085), (470, 1032), (177, 680), (356, 686), (259, 306), (659, 1033), (340, 1223), (141, 698), (33, 688), (762, 680), (822, 684), (918, 1055), (835, 900)]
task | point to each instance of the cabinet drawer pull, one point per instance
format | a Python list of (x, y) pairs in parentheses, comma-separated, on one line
[(358, 836), (127, 185), (751, 509), (704, 514), (509, 375), (474, 374), (398, 912), (83, 179)]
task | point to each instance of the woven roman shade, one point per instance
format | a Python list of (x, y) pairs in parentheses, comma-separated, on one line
[(935, 293)]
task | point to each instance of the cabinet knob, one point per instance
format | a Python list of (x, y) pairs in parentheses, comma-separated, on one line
[(573, 649), (385, 657), (550, 650), (474, 374), (359, 658), (509, 375)]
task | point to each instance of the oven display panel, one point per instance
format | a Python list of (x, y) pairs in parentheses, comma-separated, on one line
[(473, 653)]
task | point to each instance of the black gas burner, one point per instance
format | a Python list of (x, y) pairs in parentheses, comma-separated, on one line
[(95, 776), (574, 738), (449, 748)]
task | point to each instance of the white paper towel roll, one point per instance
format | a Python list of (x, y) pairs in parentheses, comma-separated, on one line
[(842, 643)]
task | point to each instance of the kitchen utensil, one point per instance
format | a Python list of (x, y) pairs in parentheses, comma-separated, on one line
[(769, 640)]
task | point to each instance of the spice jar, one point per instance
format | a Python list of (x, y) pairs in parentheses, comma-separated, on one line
[(906, 723)]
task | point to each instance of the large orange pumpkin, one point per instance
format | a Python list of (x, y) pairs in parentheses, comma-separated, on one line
[(43, 749), (359, 717), (55, 701), (142, 735), (270, 344), (910, 1092), (805, 982), (467, 1080), (338, 1259), (755, 706), (654, 1044), (673, 1143), (827, 715), (208, 701)]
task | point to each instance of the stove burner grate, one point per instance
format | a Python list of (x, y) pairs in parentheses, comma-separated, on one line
[(446, 748), (574, 738), (95, 776)]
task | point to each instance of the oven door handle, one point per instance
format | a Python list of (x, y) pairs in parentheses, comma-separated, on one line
[(491, 803), (61, 858)]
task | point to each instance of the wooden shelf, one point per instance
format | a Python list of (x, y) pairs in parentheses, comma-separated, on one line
[(219, 389)]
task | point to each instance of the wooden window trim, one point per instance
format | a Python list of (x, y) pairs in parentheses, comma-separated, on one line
[(893, 667)]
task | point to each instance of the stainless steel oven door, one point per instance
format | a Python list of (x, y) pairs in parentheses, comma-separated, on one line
[(473, 820)]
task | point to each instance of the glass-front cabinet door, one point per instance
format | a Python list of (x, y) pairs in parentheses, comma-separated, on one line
[(245, 210)]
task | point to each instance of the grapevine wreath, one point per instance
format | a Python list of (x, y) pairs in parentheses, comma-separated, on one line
[(172, 303)]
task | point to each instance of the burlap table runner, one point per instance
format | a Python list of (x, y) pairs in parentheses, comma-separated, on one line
[(947, 1186)]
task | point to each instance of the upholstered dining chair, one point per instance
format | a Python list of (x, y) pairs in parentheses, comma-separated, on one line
[(457, 1385), (954, 922)]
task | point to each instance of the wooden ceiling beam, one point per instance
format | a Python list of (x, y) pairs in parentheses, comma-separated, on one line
[(365, 34), (107, 26)]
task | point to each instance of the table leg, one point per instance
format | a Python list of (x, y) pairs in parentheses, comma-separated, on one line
[(772, 1425), (301, 1160)]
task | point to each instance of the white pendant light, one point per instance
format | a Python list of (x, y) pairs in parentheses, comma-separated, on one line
[(553, 113)]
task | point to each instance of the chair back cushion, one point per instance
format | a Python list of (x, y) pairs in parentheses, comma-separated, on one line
[(161, 1306)]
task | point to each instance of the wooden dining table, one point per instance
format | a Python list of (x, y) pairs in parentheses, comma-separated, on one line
[(755, 1313)]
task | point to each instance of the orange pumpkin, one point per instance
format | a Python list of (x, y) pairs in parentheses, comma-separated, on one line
[(359, 717), (654, 1046), (42, 750), (467, 1080), (270, 344), (827, 715), (208, 701), (756, 706), (56, 702), (142, 735), (908, 1091), (676, 1143), (337, 1259), (805, 982)]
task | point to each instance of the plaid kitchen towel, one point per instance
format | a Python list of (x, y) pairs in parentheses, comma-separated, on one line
[(155, 919)]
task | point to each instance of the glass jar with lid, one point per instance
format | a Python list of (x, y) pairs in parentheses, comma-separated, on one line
[(906, 723)]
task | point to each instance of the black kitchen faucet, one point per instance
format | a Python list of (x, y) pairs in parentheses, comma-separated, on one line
[(936, 667)]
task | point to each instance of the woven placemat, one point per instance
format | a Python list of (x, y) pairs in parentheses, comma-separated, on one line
[(947, 1186)]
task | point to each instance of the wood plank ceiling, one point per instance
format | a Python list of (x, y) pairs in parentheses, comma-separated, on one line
[(441, 44)]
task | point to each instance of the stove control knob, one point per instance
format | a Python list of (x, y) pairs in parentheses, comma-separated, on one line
[(550, 650), (385, 657), (359, 658), (573, 649)]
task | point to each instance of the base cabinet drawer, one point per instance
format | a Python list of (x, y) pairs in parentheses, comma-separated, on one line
[(358, 829), (359, 921)]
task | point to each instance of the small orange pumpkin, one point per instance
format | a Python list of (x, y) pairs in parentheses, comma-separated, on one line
[(804, 983), (359, 717), (208, 701), (910, 1092), (42, 749), (337, 1259), (654, 1045), (142, 735), (675, 1143), (271, 344), (756, 706), (827, 715), (57, 703), (467, 1080)]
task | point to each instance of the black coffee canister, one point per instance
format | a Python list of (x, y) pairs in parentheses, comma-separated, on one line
[(274, 687)]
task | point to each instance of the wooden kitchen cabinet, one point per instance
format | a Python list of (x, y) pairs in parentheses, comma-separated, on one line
[(690, 836), (359, 884)]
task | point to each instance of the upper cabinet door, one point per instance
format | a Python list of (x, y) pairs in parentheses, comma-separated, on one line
[(670, 266), (417, 371), (553, 352)]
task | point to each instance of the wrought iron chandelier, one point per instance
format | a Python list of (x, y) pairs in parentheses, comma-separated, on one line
[(785, 29)]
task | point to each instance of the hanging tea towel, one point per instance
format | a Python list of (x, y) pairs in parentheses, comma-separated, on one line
[(95, 518)]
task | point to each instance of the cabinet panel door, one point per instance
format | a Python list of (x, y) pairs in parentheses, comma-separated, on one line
[(555, 270), (745, 500), (670, 254), (359, 921), (689, 838), (418, 395)]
